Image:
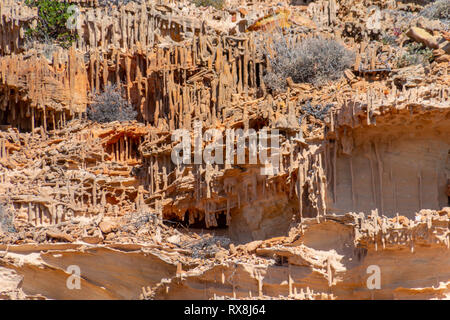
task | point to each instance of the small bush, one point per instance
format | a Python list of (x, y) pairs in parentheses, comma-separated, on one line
[(392, 37), (51, 22), (439, 9), (318, 111), (218, 4), (314, 60), (208, 247), (416, 54), (389, 39), (109, 106), (6, 221)]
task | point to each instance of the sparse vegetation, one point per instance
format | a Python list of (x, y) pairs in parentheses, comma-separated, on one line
[(416, 54), (313, 60), (390, 39), (208, 246), (218, 4), (109, 106), (51, 22), (439, 9), (318, 111), (6, 221)]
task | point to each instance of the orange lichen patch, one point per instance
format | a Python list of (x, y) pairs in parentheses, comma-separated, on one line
[(303, 21), (279, 19)]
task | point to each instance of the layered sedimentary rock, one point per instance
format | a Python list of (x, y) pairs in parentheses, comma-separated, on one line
[(362, 178)]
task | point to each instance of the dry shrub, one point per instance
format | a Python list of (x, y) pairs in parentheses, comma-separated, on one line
[(109, 106), (313, 60), (439, 10)]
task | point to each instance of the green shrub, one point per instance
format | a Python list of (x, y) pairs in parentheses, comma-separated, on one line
[(6, 221), (416, 53), (218, 4), (439, 9), (51, 22), (389, 40), (313, 60)]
